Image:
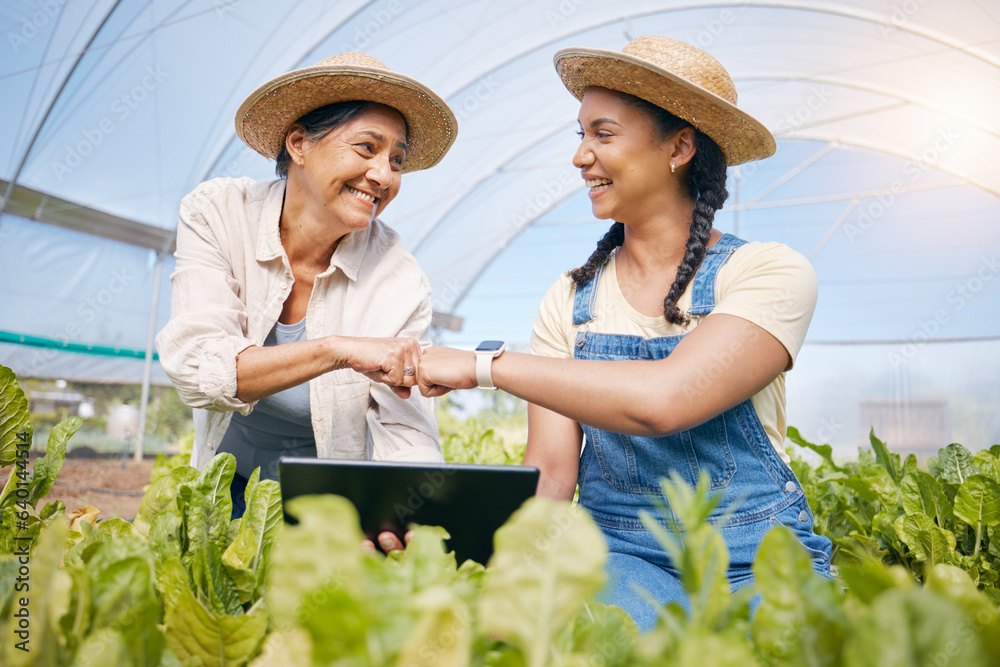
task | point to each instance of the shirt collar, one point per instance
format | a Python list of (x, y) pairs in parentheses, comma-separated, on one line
[(347, 257), (350, 253), (269, 237)]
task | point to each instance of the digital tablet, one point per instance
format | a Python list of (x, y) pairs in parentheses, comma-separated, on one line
[(469, 501)]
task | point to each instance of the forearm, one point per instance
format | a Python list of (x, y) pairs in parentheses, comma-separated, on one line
[(557, 477), (554, 448), (264, 371), (609, 395), (722, 363)]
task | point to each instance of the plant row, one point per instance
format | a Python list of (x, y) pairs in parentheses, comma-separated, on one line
[(183, 585)]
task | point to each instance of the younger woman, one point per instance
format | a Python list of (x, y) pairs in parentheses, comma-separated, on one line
[(666, 351)]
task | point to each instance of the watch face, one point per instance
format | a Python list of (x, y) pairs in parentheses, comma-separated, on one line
[(489, 346)]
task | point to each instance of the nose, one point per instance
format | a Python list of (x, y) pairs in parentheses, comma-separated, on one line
[(380, 173), (583, 157)]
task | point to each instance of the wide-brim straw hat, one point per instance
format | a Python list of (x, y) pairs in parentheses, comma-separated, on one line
[(267, 114), (677, 77)]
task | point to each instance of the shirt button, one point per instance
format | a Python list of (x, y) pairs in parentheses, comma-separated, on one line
[(803, 516), (283, 284), (789, 486)]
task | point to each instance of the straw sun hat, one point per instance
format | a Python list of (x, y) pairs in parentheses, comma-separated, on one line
[(678, 77), (269, 112)]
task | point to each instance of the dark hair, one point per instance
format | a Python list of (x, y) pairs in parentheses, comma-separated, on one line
[(319, 122), (706, 185)]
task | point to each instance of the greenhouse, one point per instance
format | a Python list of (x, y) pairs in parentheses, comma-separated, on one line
[(886, 177)]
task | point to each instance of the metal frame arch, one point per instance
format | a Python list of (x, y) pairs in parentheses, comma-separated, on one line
[(875, 148), (502, 246), (864, 16), (840, 143), (5, 195), (620, 16), (300, 54), (479, 182)]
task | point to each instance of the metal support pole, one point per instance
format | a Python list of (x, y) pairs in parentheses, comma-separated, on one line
[(148, 365)]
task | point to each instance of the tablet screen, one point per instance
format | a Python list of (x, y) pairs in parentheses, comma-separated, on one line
[(469, 501)]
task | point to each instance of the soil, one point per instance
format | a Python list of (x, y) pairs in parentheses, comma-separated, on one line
[(102, 483)]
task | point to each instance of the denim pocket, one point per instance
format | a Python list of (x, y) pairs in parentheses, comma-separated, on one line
[(636, 464), (798, 518)]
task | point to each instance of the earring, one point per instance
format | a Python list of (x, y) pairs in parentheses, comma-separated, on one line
[(673, 168)]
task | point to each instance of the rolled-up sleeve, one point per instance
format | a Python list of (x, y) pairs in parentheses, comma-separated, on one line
[(405, 430), (208, 318), (774, 287)]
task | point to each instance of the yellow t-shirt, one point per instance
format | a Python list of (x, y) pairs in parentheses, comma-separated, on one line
[(768, 284)]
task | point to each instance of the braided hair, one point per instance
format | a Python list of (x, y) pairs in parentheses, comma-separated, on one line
[(706, 185)]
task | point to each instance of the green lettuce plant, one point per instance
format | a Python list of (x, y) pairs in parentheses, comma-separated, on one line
[(884, 507), (183, 585)]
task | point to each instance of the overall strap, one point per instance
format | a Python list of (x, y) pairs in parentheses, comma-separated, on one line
[(703, 285), (586, 295)]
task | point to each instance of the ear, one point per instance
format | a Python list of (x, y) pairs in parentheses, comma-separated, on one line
[(682, 146), (295, 140)]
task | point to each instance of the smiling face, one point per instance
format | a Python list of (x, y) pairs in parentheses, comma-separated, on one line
[(622, 158), (354, 171)]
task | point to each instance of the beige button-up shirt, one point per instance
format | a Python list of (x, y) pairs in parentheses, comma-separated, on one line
[(231, 280)]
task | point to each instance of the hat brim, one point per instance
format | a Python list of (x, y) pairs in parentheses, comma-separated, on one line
[(267, 114), (741, 137)]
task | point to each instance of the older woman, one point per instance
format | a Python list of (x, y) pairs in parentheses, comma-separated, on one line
[(668, 348), (294, 308)]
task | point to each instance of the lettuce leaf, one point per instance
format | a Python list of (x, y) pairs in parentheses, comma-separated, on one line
[(198, 636), (548, 561)]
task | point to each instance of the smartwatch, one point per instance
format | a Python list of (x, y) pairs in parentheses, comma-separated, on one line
[(486, 352)]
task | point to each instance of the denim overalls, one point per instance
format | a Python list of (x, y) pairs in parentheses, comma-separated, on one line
[(619, 473)]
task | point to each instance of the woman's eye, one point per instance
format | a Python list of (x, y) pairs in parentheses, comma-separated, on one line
[(579, 133), (367, 146), (397, 163)]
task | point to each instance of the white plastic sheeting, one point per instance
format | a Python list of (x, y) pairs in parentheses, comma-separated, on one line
[(886, 175)]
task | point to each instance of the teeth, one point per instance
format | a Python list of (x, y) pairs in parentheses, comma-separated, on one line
[(598, 182), (361, 195)]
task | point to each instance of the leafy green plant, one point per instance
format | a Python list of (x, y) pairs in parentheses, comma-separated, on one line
[(803, 618), (184, 585), (475, 442), (884, 507), (20, 520)]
